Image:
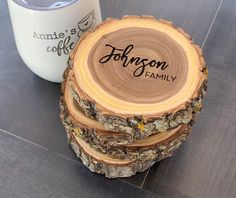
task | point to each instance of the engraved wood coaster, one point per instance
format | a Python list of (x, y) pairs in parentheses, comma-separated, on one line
[(112, 143), (138, 72)]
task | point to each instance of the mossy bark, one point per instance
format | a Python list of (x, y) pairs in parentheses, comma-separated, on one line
[(125, 170), (101, 139), (139, 127), (117, 147)]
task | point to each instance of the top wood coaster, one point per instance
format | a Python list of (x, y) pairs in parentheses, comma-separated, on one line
[(140, 70)]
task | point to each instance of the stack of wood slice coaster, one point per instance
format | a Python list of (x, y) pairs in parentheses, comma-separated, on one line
[(132, 91)]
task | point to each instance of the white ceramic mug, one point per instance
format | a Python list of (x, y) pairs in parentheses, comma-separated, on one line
[(46, 31)]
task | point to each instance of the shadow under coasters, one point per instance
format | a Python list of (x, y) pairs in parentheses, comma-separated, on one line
[(133, 88)]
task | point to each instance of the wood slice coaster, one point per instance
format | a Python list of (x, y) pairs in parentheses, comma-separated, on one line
[(112, 168), (72, 117), (138, 72), (111, 143)]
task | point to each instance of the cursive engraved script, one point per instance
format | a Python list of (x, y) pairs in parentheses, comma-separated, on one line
[(141, 63)]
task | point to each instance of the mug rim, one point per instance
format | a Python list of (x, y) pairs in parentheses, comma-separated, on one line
[(38, 8)]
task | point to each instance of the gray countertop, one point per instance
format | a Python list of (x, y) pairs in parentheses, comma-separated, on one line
[(36, 161)]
